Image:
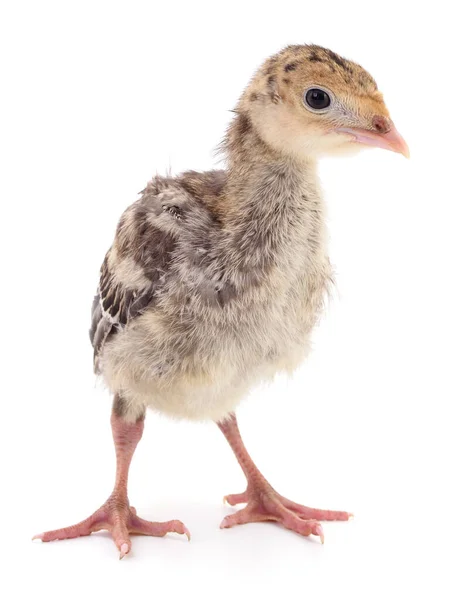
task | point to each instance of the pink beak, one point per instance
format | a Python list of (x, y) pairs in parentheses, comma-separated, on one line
[(390, 140)]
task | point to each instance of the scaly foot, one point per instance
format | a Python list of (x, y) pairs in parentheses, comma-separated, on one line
[(265, 504), (121, 520)]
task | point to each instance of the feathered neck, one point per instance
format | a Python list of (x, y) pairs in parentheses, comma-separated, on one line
[(267, 196)]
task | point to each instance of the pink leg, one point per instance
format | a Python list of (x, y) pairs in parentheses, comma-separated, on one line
[(263, 502), (116, 515)]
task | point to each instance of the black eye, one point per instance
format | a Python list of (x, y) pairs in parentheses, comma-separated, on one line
[(317, 99)]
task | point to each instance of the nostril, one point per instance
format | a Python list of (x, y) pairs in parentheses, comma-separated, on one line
[(381, 124)]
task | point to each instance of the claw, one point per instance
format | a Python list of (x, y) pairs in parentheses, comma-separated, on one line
[(124, 550), (225, 500), (318, 530), (38, 536), (188, 535)]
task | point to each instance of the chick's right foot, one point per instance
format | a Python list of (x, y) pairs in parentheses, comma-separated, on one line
[(121, 520)]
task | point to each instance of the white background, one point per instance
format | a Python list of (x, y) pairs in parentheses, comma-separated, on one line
[(97, 97)]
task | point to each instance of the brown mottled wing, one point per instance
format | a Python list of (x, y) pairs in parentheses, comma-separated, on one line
[(125, 291), (114, 306)]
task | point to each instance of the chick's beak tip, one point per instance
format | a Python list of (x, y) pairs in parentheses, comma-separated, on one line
[(396, 142), (390, 140)]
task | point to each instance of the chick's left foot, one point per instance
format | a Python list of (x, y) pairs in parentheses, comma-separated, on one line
[(265, 504)]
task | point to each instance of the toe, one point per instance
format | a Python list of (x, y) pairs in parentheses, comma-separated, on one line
[(233, 499), (252, 513), (303, 527), (121, 538), (315, 513), (66, 533), (143, 527), (238, 518)]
